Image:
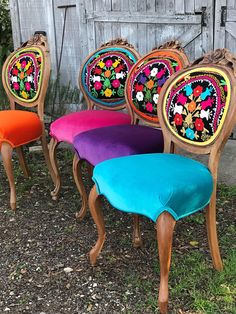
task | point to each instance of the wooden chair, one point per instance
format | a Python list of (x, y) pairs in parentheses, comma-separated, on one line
[(197, 114), (112, 61), (142, 89), (25, 78)]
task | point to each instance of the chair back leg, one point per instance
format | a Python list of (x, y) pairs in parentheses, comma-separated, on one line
[(165, 227), (6, 152), (137, 239), (53, 159), (22, 161), (212, 232)]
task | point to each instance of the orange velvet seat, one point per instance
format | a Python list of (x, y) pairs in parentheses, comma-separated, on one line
[(18, 127)]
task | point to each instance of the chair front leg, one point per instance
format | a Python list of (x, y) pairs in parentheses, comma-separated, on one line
[(57, 179), (6, 152), (212, 232), (77, 173), (96, 212), (22, 161), (165, 227), (137, 240)]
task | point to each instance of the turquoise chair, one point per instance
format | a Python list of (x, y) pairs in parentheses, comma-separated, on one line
[(197, 113)]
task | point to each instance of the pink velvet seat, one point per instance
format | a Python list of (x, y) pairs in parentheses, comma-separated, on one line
[(67, 127), (101, 80)]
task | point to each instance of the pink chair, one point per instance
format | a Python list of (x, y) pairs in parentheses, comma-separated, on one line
[(102, 79)]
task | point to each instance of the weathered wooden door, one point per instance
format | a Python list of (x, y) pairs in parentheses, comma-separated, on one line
[(148, 23), (225, 24)]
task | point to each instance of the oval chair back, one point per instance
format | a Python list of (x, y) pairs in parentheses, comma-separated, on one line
[(147, 77), (26, 74), (103, 74)]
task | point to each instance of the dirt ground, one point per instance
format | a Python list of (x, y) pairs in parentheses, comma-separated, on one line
[(44, 265)]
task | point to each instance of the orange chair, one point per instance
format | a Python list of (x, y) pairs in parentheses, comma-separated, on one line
[(25, 78)]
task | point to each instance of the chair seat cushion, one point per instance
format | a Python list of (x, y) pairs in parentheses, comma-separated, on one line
[(109, 142), (153, 183), (65, 128), (18, 127)]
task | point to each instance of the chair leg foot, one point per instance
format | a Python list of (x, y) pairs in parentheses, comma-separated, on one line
[(77, 173), (165, 228), (137, 240), (96, 212), (6, 152)]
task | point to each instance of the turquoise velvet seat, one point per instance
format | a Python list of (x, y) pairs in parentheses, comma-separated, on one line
[(152, 183)]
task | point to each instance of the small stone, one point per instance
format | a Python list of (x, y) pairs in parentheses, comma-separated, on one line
[(68, 270)]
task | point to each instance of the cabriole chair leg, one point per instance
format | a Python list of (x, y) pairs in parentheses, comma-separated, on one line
[(96, 212), (57, 179), (137, 240), (77, 173), (165, 227)]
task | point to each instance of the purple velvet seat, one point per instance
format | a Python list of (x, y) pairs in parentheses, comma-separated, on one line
[(109, 142)]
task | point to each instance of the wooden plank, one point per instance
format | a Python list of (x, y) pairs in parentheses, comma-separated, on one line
[(190, 35), (189, 6), (219, 31), (150, 28), (152, 19), (89, 6), (230, 27), (170, 7), (116, 5), (231, 15), (141, 28), (15, 23), (160, 7), (179, 7)]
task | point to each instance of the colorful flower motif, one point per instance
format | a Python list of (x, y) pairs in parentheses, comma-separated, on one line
[(115, 83), (154, 71), (28, 65), (107, 73), (22, 75), (27, 86), (181, 99), (24, 94), (161, 73), (98, 71), (16, 86), (96, 78), (199, 125), (101, 64), (120, 75), (15, 71), (139, 96), (205, 114), (142, 79), (150, 84), (109, 63), (14, 79), (155, 98), (97, 85), (119, 68), (147, 71), (178, 109), (108, 92), (149, 107), (138, 88), (30, 79), (23, 64), (116, 63), (178, 119), (192, 106), (29, 71), (18, 65), (190, 134), (197, 91)]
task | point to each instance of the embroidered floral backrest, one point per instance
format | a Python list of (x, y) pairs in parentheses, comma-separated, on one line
[(198, 102), (26, 73), (103, 74), (148, 76)]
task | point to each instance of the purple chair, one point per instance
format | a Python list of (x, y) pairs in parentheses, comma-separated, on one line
[(143, 86), (101, 80)]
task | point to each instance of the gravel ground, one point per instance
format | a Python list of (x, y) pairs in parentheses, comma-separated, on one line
[(44, 265)]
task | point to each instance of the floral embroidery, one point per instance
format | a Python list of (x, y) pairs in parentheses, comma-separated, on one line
[(24, 74), (147, 83), (104, 75), (196, 104)]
